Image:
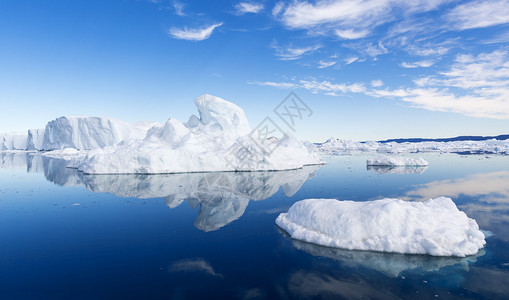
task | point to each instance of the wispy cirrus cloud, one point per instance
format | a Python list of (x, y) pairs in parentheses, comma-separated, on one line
[(248, 7), (179, 8), (278, 8), (281, 85), (193, 34), (292, 52), (316, 86), (418, 64), (354, 15), (325, 64), (475, 86), (350, 34), (479, 14), (351, 60)]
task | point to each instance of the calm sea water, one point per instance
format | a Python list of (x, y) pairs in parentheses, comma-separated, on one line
[(65, 235)]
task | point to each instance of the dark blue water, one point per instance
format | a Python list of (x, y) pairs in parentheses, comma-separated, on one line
[(65, 235)]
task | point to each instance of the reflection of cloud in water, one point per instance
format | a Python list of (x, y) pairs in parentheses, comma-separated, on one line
[(221, 196), (193, 265), (392, 264), (491, 283), (397, 169), (489, 205), (494, 184), (311, 285)]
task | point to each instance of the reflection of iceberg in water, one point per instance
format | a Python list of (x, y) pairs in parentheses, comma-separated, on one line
[(397, 169), (222, 196), (392, 264), (13, 160)]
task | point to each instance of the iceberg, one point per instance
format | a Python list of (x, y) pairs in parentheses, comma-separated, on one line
[(396, 161), (86, 133), (35, 139), (220, 139), (346, 147), (13, 141), (435, 227)]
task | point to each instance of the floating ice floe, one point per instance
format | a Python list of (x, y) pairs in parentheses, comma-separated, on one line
[(219, 140), (397, 161), (435, 227)]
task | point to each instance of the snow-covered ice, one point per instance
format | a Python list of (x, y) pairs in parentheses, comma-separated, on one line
[(347, 147), (13, 141), (89, 132), (396, 161), (435, 227), (219, 140), (35, 139)]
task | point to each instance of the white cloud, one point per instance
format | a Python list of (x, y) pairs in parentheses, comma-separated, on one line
[(479, 14), (179, 8), (352, 14), (325, 64), (428, 51), (293, 53), (193, 34), (248, 7), (377, 83), (315, 86), (475, 86), (281, 85), (417, 64), (350, 34), (277, 8), (351, 60), (475, 105), (482, 71)]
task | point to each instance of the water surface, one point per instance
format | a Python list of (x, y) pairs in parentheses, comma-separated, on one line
[(212, 235)]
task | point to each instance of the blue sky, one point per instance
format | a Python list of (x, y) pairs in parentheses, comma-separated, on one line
[(369, 69)]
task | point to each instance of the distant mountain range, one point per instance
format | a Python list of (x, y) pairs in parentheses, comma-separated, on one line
[(458, 138)]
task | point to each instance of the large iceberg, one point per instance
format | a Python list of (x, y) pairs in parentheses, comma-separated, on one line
[(219, 140), (35, 139), (396, 161), (435, 227), (87, 133), (13, 141)]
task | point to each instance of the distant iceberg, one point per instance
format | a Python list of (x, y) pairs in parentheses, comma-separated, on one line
[(13, 141), (396, 161), (219, 140), (85, 133), (346, 147), (435, 227)]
